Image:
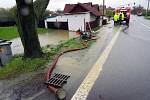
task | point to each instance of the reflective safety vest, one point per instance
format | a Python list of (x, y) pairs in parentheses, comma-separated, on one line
[(122, 16), (115, 17), (118, 16)]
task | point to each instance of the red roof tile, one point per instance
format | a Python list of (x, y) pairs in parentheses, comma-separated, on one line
[(69, 7), (96, 6), (88, 6)]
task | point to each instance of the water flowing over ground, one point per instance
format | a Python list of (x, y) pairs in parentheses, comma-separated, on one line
[(51, 38)]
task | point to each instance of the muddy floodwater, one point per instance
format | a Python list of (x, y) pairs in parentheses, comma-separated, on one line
[(50, 38)]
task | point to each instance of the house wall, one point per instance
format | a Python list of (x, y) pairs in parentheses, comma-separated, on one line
[(75, 21)]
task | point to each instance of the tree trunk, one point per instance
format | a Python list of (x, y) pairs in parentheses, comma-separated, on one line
[(27, 27)]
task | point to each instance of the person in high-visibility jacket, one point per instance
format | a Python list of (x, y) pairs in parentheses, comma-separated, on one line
[(115, 19), (121, 17), (118, 14)]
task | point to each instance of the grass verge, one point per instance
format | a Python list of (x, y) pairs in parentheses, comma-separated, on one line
[(147, 17), (12, 32), (96, 28), (19, 65)]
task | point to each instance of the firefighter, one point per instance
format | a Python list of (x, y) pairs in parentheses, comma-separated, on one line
[(115, 19), (118, 14), (121, 17), (127, 19)]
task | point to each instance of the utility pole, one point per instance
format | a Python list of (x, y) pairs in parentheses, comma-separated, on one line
[(147, 8), (103, 8), (103, 11), (134, 8)]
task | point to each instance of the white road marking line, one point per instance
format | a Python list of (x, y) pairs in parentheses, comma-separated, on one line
[(142, 24), (87, 84), (145, 25)]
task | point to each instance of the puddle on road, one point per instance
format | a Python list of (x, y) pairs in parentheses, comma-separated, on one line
[(67, 62), (53, 37)]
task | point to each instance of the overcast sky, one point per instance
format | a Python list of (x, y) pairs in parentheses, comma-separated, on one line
[(59, 4)]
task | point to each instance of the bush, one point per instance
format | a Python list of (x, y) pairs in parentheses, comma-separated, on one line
[(109, 13)]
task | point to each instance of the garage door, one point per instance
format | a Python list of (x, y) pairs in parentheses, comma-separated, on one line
[(58, 25)]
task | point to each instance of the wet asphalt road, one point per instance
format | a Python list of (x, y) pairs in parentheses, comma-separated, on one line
[(126, 73)]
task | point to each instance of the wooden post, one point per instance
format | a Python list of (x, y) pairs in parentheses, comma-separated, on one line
[(68, 24), (46, 24), (84, 25)]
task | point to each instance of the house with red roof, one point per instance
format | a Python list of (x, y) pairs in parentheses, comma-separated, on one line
[(83, 16)]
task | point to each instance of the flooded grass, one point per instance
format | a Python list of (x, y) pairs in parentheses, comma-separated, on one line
[(20, 65), (52, 37), (9, 33)]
